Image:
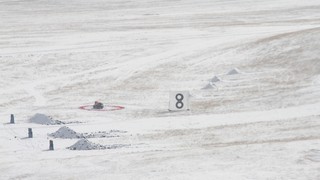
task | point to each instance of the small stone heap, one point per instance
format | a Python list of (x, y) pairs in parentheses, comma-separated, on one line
[(66, 133)]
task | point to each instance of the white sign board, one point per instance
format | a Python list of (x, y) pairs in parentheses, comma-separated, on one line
[(179, 101)]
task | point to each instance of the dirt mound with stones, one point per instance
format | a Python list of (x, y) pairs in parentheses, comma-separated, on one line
[(215, 79), (210, 85), (44, 119), (66, 133), (84, 144), (234, 71)]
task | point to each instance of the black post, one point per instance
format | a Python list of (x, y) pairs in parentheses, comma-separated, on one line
[(30, 134), (12, 119), (51, 145)]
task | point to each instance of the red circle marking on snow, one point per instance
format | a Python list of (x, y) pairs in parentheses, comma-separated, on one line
[(106, 108)]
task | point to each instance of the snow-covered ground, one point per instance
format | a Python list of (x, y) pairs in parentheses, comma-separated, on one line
[(262, 121)]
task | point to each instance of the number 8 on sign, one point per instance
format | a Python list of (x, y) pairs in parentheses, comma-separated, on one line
[(179, 98)]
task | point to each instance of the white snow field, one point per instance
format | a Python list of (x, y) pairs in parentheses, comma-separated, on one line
[(258, 118)]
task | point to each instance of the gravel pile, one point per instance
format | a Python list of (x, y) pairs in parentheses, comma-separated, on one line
[(66, 133)]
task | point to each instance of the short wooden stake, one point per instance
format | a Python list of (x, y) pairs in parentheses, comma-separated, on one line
[(30, 134), (51, 145), (12, 119)]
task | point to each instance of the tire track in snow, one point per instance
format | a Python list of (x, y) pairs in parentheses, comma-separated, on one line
[(39, 98), (269, 141)]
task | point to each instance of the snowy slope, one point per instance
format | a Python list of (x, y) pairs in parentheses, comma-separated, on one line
[(260, 122)]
